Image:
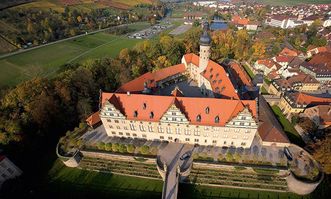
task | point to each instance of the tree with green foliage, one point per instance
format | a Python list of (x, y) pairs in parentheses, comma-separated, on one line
[(115, 147), (144, 150), (101, 146), (108, 146), (229, 157), (122, 148), (131, 148)]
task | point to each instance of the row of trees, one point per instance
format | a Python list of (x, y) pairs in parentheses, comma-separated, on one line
[(126, 148)]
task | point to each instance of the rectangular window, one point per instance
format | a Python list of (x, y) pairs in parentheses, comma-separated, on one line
[(214, 141), (113, 132), (173, 113), (169, 138), (108, 120), (196, 132), (134, 135), (142, 128), (187, 139), (161, 137), (150, 128), (132, 127), (110, 126), (125, 128), (116, 121), (173, 119), (127, 134), (196, 140), (178, 131), (144, 136), (160, 129), (120, 133), (168, 130), (118, 127)]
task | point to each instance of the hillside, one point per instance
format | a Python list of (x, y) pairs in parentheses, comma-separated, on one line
[(84, 4)]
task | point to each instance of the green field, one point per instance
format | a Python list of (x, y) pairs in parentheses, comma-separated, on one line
[(47, 60), (290, 131), (293, 2), (76, 183)]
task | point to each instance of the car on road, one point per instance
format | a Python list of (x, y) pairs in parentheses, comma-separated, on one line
[(185, 156)]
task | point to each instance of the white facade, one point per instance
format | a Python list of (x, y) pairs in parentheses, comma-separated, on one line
[(174, 126)]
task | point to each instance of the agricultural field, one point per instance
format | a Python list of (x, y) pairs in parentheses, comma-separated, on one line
[(85, 5), (293, 2), (46, 61)]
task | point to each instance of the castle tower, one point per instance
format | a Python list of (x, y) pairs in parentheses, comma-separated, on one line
[(205, 42)]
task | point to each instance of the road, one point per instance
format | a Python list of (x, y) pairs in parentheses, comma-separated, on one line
[(58, 41)]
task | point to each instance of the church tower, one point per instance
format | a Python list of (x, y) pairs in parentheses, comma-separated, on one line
[(205, 42)]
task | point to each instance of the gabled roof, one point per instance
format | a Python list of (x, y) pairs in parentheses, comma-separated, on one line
[(151, 78), (239, 74), (216, 75), (191, 107), (93, 119), (269, 129), (287, 59), (266, 62), (177, 93), (192, 58), (269, 133), (302, 98), (289, 52)]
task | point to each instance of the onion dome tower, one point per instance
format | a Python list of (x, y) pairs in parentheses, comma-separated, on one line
[(205, 41)]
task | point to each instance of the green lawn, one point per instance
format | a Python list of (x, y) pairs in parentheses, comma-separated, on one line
[(76, 183), (290, 131), (249, 71), (47, 60)]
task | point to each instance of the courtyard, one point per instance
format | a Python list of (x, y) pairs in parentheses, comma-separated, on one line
[(256, 154)]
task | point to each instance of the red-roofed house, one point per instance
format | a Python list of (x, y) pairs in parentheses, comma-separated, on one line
[(219, 117), (292, 103)]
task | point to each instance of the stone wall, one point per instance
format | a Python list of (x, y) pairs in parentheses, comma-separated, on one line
[(111, 156)]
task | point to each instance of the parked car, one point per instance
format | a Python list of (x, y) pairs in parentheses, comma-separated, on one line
[(185, 156)]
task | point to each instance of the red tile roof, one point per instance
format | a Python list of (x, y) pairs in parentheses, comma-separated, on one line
[(287, 59), (240, 75), (301, 98), (93, 119), (240, 21), (192, 58), (151, 78), (288, 52), (216, 75), (191, 107), (269, 133), (266, 62), (177, 93)]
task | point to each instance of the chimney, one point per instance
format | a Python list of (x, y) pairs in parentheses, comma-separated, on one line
[(128, 93)]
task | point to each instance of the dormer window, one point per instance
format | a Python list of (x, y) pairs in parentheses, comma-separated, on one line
[(151, 115), (207, 110), (217, 119), (144, 106), (199, 118), (135, 114)]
